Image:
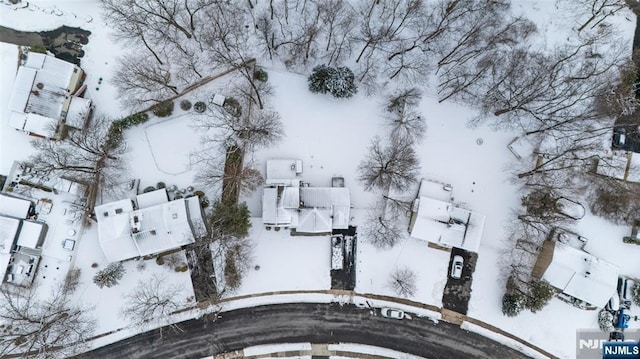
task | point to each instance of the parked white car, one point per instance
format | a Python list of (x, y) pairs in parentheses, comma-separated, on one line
[(392, 313), (456, 267)]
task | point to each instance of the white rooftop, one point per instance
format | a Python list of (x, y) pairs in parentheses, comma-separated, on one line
[(153, 198), (30, 234), (159, 226), (446, 224), (78, 112), (8, 230), (14, 207), (581, 275), (282, 170), (308, 209)]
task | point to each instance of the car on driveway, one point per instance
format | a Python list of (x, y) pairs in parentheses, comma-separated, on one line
[(456, 267), (392, 313)]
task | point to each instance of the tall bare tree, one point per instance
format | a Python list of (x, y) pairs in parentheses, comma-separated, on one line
[(42, 326), (394, 165), (406, 125), (153, 300)]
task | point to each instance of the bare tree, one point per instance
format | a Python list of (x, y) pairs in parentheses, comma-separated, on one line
[(153, 300), (141, 82), (87, 156), (42, 326), (403, 282), (404, 123), (591, 13), (232, 256), (393, 166), (212, 173), (382, 228)]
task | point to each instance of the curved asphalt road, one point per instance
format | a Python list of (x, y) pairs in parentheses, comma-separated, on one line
[(307, 323)]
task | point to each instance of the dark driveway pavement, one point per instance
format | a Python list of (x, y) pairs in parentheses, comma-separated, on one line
[(457, 292)]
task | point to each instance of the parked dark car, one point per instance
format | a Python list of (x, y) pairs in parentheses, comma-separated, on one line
[(619, 137)]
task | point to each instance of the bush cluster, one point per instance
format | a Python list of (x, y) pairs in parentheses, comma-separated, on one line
[(261, 75), (338, 81), (185, 105), (163, 109)]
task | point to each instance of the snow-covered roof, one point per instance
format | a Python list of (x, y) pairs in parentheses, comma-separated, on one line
[(126, 233), (78, 112), (282, 170), (41, 89), (446, 224), (30, 233), (8, 231), (40, 125), (581, 275), (194, 210), (273, 212), (22, 89), (14, 207), (324, 197), (314, 221), (153, 198), (434, 189)]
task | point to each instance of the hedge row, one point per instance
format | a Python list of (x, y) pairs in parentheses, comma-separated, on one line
[(114, 137)]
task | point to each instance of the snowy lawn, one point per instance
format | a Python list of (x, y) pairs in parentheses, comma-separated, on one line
[(286, 263), (171, 142)]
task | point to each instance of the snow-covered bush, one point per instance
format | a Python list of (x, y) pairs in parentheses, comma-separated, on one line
[(512, 304), (605, 321), (540, 292), (109, 276), (636, 294), (319, 77), (340, 82)]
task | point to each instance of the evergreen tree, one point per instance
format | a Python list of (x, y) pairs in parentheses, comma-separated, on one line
[(109, 276), (231, 219), (605, 321), (341, 83), (512, 304), (320, 76), (540, 292)]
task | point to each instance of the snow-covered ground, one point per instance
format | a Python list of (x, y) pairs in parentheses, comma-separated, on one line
[(331, 137)]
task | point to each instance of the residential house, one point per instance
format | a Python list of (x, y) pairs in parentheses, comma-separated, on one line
[(445, 223), (44, 97), (21, 241), (148, 225), (288, 202), (580, 276)]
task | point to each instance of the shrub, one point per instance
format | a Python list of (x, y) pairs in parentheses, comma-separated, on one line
[(163, 109), (232, 106), (342, 83), (605, 321), (185, 105), (199, 107), (199, 193), (339, 82), (160, 261), (512, 304), (631, 240), (231, 219), (109, 276), (160, 185), (232, 276), (261, 75), (182, 268), (319, 77), (540, 292), (38, 48), (636, 294), (149, 189)]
